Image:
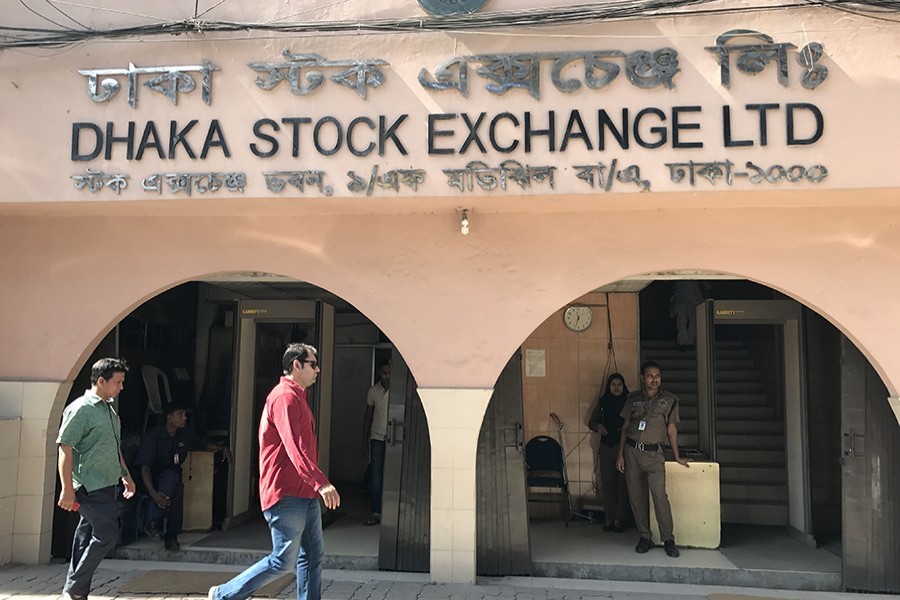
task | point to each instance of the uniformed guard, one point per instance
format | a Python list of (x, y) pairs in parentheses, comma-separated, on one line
[(651, 416)]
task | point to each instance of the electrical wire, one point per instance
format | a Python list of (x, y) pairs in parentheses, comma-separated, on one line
[(616, 10)]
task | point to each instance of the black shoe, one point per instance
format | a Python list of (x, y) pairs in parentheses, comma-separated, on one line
[(172, 544), (609, 527), (154, 530), (618, 528), (672, 549), (643, 546)]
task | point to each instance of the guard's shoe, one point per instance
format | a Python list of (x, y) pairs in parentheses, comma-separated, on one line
[(671, 549), (643, 546), (172, 544), (154, 530), (609, 527)]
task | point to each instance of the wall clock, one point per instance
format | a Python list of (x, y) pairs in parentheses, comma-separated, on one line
[(578, 318)]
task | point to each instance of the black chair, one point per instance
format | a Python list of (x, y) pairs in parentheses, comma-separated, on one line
[(545, 467)]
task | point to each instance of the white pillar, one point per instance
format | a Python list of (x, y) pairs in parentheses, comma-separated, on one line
[(454, 421), (35, 407)]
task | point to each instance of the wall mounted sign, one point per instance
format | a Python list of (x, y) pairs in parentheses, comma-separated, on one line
[(448, 8), (543, 148)]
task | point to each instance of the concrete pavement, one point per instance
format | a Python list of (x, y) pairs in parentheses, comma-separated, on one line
[(44, 582)]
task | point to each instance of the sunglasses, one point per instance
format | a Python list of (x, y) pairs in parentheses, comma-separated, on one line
[(312, 363)]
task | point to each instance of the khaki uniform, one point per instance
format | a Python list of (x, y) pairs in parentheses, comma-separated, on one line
[(645, 470)]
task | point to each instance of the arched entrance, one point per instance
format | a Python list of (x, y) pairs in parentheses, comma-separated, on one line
[(774, 372), (215, 344)]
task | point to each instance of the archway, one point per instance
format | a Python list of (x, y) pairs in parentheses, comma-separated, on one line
[(217, 341), (564, 377)]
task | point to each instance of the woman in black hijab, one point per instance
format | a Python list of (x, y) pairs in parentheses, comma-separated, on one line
[(607, 420)]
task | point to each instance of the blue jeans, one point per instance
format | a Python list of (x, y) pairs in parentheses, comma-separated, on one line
[(296, 526), (376, 477)]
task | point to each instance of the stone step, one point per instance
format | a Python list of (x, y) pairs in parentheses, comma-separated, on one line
[(755, 513), (768, 473), (732, 413), (771, 427), (739, 387), (753, 492), (749, 457), (744, 412), (750, 441)]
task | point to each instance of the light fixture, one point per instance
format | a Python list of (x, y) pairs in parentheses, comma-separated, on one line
[(464, 222)]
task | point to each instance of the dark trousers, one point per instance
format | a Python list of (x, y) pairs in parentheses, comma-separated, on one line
[(645, 473), (376, 479), (169, 483), (615, 493), (96, 534)]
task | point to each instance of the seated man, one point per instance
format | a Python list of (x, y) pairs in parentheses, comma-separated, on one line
[(162, 451)]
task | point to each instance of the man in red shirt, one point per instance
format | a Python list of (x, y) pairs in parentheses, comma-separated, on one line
[(290, 485)]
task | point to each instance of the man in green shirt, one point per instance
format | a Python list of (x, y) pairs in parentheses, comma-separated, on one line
[(90, 467)]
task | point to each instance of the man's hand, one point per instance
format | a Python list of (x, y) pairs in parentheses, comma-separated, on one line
[(67, 500), (161, 500), (128, 482), (330, 496), (227, 455), (620, 464), (682, 461), (601, 429)]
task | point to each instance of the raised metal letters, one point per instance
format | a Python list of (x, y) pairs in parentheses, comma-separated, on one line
[(508, 71), (604, 176), (724, 170), (203, 183), (168, 82), (754, 58), (489, 178), (94, 181), (277, 180), (360, 76), (392, 179)]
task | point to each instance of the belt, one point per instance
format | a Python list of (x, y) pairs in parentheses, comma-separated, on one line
[(641, 445)]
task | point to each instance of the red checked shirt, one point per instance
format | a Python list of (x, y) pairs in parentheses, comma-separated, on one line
[(288, 454)]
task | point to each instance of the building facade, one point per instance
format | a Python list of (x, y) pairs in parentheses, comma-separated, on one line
[(457, 184)]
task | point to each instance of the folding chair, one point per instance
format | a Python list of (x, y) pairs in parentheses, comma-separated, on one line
[(545, 467)]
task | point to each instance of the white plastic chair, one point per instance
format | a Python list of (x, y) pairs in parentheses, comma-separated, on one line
[(155, 400)]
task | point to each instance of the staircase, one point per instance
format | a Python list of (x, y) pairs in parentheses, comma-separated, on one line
[(750, 437)]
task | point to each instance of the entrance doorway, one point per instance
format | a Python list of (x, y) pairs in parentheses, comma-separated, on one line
[(752, 411)]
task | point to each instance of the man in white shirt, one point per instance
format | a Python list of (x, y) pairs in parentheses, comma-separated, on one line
[(375, 428)]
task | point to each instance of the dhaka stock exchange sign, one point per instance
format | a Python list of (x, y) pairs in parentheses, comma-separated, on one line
[(529, 147)]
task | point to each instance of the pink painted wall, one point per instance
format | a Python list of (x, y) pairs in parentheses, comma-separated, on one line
[(72, 263), (455, 306)]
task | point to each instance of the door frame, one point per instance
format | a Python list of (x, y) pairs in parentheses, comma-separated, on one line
[(241, 434), (788, 314)]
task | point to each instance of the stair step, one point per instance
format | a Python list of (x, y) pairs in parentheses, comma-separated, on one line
[(772, 473), (738, 399), (753, 492), (745, 457), (744, 412), (770, 427), (759, 440), (735, 376), (732, 364), (739, 387), (755, 513)]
